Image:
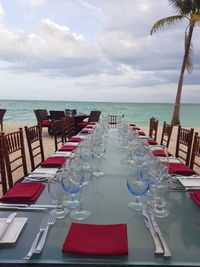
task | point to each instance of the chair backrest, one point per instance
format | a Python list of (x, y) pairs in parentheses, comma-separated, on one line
[(195, 155), (153, 128), (3, 180), (94, 116), (166, 134), (2, 113), (72, 124), (56, 126), (66, 129), (35, 145), (56, 114), (14, 152), (184, 144), (41, 114)]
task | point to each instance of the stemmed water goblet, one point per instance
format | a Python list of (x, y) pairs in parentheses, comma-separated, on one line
[(57, 194), (80, 177)]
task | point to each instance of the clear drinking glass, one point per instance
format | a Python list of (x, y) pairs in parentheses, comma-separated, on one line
[(57, 194)]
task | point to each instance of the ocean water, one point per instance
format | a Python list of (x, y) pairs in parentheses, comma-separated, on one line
[(21, 111)]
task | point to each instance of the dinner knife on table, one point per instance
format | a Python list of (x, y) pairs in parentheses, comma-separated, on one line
[(167, 252), (8, 221), (158, 246)]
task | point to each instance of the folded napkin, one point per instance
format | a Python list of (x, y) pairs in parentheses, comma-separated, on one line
[(93, 123), (23, 193), (93, 239), (84, 131), (180, 168), (83, 123), (67, 148), (75, 139), (195, 196), (135, 128), (159, 153), (141, 133), (152, 142), (54, 162), (89, 127)]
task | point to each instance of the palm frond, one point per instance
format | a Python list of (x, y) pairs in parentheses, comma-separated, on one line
[(162, 23), (185, 7)]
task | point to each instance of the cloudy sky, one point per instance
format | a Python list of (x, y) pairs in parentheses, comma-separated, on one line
[(94, 50)]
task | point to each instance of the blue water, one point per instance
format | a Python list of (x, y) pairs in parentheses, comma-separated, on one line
[(21, 111)]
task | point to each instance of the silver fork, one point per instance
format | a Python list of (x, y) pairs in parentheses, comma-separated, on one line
[(43, 225), (51, 221)]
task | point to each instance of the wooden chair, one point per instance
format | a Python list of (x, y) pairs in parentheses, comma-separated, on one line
[(14, 153), (93, 117), (184, 144), (195, 155), (56, 114), (57, 132), (42, 117), (166, 134), (35, 145), (66, 129), (2, 113), (153, 128), (3, 180)]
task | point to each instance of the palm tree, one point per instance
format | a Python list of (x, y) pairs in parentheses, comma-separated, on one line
[(189, 10)]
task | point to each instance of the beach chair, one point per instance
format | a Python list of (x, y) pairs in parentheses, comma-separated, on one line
[(184, 144), (42, 117), (56, 114), (93, 117), (166, 134), (153, 128), (35, 145), (195, 155), (3, 181), (2, 113), (14, 155)]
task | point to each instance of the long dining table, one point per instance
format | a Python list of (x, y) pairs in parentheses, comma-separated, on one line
[(107, 198)]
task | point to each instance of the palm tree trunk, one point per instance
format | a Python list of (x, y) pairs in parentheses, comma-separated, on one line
[(176, 113)]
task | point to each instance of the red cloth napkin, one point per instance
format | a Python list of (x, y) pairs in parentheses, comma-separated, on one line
[(67, 148), (135, 128), (89, 127), (180, 168), (53, 162), (75, 139), (159, 153), (152, 142), (23, 193), (195, 196), (46, 122), (84, 131), (93, 239), (83, 123), (141, 133)]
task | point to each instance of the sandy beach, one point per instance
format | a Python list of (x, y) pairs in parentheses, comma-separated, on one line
[(49, 147)]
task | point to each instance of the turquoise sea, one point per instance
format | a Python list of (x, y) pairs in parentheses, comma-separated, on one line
[(21, 111)]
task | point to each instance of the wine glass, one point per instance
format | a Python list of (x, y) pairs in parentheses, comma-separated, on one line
[(57, 194), (137, 187), (80, 176)]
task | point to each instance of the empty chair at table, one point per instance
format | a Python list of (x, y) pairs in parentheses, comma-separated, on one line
[(2, 113), (93, 117), (56, 114), (166, 134), (57, 133), (113, 120), (42, 117), (14, 155), (3, 181), (35, 145), (66, 129), (153, 128), (184, 144), (195, 155)]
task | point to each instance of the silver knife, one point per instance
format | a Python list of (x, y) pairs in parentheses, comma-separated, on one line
[(158, 247), (47, 206), (167, 252), (7, 223)]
